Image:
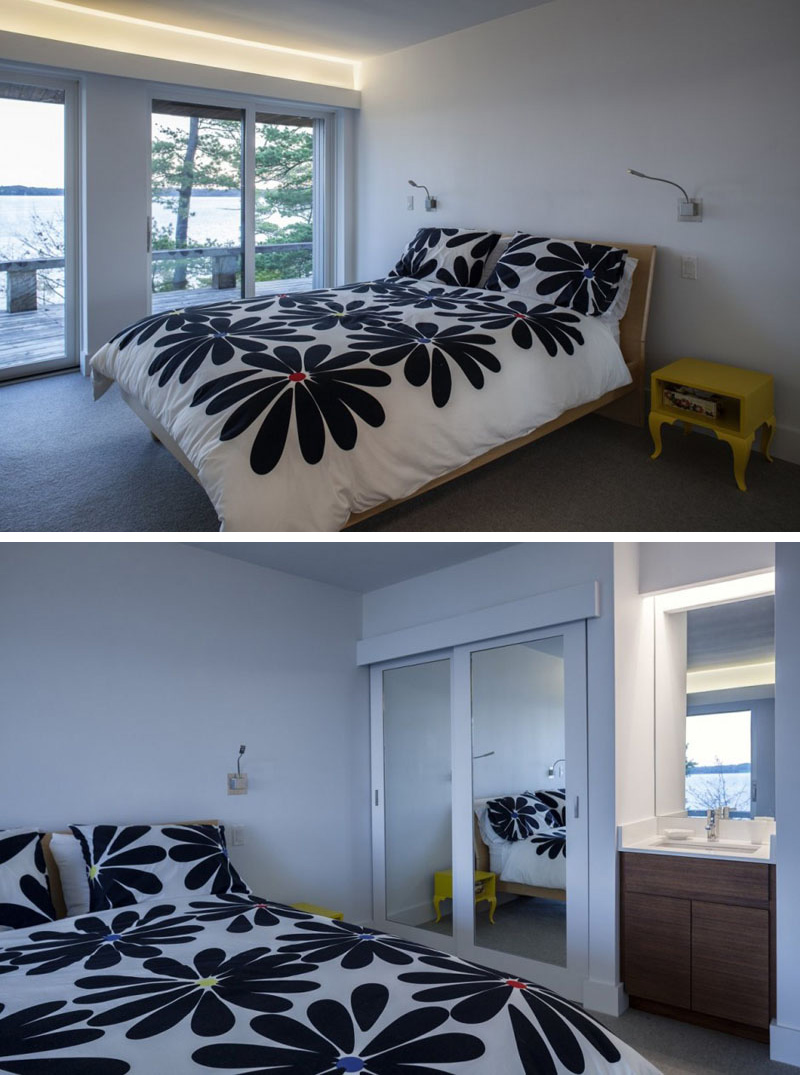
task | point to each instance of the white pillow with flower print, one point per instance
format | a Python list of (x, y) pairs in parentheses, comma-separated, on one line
[(454, 256), (133, 863)]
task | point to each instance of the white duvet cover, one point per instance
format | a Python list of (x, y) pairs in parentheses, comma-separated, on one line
[(298, 410)]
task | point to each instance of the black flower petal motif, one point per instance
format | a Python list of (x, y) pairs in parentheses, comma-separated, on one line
[(426, 351), (428, 254), (219, 339), (205, 845), (42, 1028), (206, 991), (451, 298), (113, 859), (583, 276), (384, 288), (144, 329), (513, 817), (340, 1039), (288, 300), (518, 255), (320, 316), (353, 946), (552, 843), (324, 390), (100, 944), (244, 912), (553, 805), (37, 906), (480, 994), (552, 326)]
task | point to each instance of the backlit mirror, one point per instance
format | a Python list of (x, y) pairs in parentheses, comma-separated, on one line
[(715, 710)]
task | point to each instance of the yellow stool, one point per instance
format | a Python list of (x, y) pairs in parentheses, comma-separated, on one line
[(324, 912), (485, 889)]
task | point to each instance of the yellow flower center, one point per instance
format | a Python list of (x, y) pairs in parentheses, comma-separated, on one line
[(206, 982), (92, 872)]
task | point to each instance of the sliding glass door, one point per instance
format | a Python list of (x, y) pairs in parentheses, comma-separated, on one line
[(38, 134), (480, 768), (233, 197)]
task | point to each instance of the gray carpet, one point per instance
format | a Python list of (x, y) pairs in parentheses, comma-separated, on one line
[(68, 464)]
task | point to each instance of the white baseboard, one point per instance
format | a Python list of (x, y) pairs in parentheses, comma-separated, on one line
[(604, 997), (784, 1044)]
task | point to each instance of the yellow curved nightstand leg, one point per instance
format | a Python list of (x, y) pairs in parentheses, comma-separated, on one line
[(740, 446), (492, 906), (655, 421), (766, 437)]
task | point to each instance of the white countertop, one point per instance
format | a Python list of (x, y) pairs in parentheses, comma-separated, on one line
[(648, 836)]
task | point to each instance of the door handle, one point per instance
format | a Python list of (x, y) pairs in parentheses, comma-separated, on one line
[(577, 808)]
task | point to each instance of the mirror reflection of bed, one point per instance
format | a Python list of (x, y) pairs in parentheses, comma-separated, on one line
[(518, 747)]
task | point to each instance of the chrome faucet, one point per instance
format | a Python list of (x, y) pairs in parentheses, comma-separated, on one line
[(711, 824)]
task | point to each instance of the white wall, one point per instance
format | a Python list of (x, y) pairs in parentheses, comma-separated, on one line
[(522, 570), (669, 565), (531, 121), (132, 672), (785, 1033)]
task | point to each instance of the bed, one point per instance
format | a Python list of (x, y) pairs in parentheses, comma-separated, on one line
[(521, 837), (180, 983), (314, 411)]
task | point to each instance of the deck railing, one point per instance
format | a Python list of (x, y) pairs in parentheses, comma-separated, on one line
[(22, 282)]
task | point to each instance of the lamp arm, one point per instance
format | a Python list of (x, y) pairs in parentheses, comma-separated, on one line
[(656, 179)]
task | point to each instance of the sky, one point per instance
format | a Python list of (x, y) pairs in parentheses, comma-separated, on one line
[(32, 137), (719, 735)]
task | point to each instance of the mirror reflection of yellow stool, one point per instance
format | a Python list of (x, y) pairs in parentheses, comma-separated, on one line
[(485, 889), (323, 912)]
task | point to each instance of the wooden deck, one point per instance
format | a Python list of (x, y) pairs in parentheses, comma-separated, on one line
[(39, 334)]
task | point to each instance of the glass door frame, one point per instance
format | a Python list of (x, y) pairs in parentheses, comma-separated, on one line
[(567, 980), (324, 190), (72, 223)]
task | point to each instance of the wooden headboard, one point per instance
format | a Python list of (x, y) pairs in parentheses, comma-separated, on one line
[(56, 893)]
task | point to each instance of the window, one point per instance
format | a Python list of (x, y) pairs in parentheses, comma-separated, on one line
[(233, 202), (37, 226), (718, 762)]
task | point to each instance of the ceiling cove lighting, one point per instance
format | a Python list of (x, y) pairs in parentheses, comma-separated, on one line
[(689, 209), (729, 677), (717, 593), (187, 31)]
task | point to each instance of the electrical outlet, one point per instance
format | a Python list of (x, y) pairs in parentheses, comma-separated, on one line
[(688, 267), (238, 835), (409, 201)]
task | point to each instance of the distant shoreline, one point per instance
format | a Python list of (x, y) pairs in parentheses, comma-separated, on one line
[(17, 190)]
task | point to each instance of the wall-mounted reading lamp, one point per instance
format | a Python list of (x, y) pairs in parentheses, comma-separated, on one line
[(551, 772), (689, 209), (237, 782), (488, 754), (430, 203)]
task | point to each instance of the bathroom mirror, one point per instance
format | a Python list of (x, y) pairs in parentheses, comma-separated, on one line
[(715, 709)]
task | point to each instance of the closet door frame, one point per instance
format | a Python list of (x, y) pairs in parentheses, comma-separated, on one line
[(379, 915), (565, 980)]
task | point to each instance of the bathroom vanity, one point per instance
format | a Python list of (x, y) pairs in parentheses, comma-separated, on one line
[(698, 933)]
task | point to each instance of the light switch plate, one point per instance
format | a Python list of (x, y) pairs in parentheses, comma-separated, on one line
[(238, 835), (409, 201), (688, 267)]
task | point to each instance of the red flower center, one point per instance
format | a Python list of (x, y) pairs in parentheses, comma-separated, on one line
[(297, 376), (522, 316), (515, 984)]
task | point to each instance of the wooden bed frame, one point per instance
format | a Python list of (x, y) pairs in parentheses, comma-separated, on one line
[(622, 404), (53, 876), (511, 887)]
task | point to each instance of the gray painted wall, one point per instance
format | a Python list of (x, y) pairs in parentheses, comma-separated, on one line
[(131, 674)]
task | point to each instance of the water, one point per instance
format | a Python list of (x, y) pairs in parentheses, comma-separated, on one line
[(703, 790), (215, 219)]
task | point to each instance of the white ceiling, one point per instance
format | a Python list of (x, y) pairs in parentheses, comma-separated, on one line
[(737, 633), (360, 566), (354, 29)]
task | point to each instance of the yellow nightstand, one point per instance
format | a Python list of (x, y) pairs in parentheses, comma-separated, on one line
[(744, 401), (485, 889), (311, 908)]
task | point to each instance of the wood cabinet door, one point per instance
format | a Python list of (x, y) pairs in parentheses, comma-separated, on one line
[(730, 962), (656, 937)]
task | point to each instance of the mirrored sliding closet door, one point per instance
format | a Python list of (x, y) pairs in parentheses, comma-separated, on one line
[(481, 767)]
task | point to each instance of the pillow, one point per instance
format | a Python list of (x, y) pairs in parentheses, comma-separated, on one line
[(24, 890), (550, 806), (584, 277), (513, 817), (129, 864), (615, 313), (66, 850), (452, 255)]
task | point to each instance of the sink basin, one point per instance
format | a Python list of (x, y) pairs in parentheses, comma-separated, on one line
[(719, 847)]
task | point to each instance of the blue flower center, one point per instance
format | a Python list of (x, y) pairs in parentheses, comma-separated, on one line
[(588, 274), (367, 937), (514, 814), (111, 937), (350, 1063), (220, 335)]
